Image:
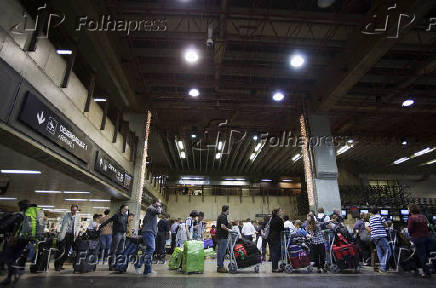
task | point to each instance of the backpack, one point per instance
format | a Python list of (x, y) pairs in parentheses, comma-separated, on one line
[(321, 220), (33, 223), (265, 233)]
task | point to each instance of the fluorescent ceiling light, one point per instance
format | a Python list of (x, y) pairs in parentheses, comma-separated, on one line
[(266, 180), (278, 96), (7, 198), (76, 200), (76, 192), (194, 92), (257, 147), (424, 151), (255, 138), (180, 144), (182, 155), (252, 156), (220, 145), (287, 180), (100, 207), (9, 171), (351, 141), (404, 143), (191, 56), (48, 191), (193, 136), (99, 200), (296, 157), (192, 178), (401, 160), (217, 155), (343, 149), (430, 162), (99, 99), (297, 61), (45, 206), (64, 52), (408, 103)]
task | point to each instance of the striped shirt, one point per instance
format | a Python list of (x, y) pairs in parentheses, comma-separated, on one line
[(378, 230), (317, 237)]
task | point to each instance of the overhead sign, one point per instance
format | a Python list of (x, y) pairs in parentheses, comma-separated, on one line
[(55, 127), (112, 170)]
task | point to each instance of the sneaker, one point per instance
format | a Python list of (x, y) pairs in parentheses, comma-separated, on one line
[(222, 270), (382, 271), (138, 271)]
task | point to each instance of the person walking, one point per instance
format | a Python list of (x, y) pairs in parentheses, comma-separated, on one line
[(221, 236), (174, 228), (119, 228), (69, 231), (314, 233), (105, 236), (149, 232), (377, 228), (274, 239), (421, 237), (248, 230)]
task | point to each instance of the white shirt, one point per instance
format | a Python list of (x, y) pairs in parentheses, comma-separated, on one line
[(326, 219), (288, 225), (248, 229)]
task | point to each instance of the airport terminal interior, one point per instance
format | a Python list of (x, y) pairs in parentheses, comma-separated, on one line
[(209, 143)]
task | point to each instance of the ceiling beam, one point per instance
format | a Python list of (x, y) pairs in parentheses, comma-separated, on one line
[(362, 52)]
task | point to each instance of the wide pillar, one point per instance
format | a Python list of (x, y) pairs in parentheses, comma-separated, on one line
[(319, 156), (141, 125)]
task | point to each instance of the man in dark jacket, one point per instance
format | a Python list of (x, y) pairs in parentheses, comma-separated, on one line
[(149, 232), (163, 229), (119, 228)]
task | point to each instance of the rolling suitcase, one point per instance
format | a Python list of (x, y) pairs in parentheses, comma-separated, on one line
[(129, 255), (193, 257), (40, 264), (175, 261), (86, 255), (208, 243)]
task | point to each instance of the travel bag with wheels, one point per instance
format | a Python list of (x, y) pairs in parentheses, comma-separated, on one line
[(251, 255), (345, 254), (129, 255), (176, 259), (87, 250), (208, 243), (193, 257), (298, 257), (40, 263)]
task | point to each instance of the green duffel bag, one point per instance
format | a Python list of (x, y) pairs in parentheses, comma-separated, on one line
[(193, 257), (176, 259)]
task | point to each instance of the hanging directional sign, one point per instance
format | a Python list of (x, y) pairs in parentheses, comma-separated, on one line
[(112, 170), (55, 127)]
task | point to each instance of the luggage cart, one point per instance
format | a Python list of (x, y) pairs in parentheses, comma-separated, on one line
[(233, 265), (288, 239)]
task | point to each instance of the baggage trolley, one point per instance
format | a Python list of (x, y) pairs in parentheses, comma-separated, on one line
[(233, 265), (287, 242)]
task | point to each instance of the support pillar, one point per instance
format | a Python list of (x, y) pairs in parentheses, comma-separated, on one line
[(319, 156), (141, 125)]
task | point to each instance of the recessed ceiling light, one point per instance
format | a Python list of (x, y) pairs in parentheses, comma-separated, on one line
[(351, 141), (193, 136), (255, 137), (194, 92), (404, 143), (7, 198), (76, 192), (76, 200), (401, 160), (180, 144), (278, 96), (297, 61), (9, 171), (99, 200), (217, 155), (408, 103), (182, 155), (191, 56), (64, 52), (99, 99), (48, 191)]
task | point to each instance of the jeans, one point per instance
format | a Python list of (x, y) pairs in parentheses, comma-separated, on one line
[(105, 245), (118, 240), (424, 246), (383, 252), (147, 254), (275, 249), (63, 250), (221, 252)]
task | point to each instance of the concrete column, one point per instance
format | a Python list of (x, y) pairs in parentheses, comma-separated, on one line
[(319, 156), (141, 125)]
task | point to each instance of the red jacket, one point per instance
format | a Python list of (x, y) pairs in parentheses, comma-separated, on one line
[(417, 226)]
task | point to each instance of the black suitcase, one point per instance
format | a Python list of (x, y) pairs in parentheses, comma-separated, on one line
[(40, 263), (86, 255)]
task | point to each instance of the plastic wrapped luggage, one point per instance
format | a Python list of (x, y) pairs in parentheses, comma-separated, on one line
[(129, 255), (86, 255), (346, 256), (176, 259), (193, 257), (252, 255), (298, 257), (208, 243), (209, 252)]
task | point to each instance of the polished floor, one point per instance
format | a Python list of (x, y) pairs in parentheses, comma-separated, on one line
[(245, 278)]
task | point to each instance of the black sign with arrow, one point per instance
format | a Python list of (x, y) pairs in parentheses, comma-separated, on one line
[(112, 170), (40, 118)]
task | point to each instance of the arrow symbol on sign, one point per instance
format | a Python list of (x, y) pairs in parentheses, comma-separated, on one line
[(40, 117)]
